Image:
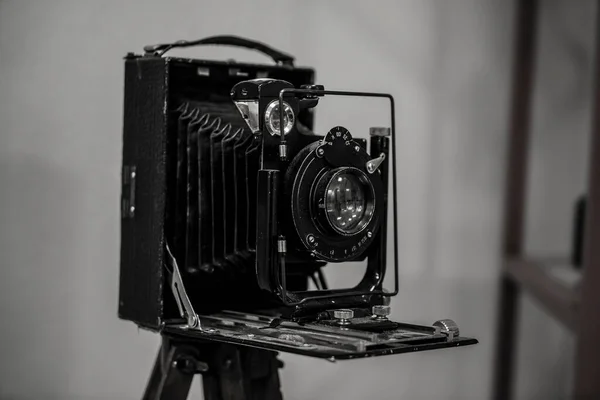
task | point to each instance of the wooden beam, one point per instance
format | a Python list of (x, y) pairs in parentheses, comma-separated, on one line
[(558, 298), (515, 185), (587, 363)]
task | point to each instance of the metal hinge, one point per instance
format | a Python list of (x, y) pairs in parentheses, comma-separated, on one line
[(281, 245), (128, 192)]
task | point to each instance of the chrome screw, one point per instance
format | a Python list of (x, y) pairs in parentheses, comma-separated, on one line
[(381, 312), (343, 316)]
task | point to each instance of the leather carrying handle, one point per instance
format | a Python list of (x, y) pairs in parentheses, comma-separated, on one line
[(224, 40)]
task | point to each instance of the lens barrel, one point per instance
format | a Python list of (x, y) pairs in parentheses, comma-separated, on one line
[(348, 198)]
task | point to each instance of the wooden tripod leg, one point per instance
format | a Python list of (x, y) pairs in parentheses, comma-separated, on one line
[(229, 372), (173, 372), (240, 373)]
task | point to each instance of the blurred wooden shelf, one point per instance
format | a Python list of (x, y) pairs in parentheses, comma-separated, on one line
[(552, 283), (569, 295)]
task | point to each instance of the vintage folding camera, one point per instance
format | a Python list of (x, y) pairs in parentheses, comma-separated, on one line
[(232, 204)]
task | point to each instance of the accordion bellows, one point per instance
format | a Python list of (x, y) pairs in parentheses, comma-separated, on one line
[(187, 181)]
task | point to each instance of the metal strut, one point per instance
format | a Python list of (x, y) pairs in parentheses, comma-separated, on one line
[(186, 310)]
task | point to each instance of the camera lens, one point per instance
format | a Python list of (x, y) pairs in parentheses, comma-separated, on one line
[(272, 118), (336, 205), (349, 201)]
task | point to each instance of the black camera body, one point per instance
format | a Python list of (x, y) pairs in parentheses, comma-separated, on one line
[(163, 96), (244, 219), (231, 204)]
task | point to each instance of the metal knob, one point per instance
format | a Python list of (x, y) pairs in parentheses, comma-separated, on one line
[(379, 131), (449, 326), (343, 316), (381, 312)]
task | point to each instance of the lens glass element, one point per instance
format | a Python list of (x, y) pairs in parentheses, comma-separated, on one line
[(272, 118), (348, 202)]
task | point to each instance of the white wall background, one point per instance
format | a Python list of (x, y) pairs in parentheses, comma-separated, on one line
[(446, 62)]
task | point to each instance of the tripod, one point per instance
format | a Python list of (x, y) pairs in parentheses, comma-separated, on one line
[(229, 372)]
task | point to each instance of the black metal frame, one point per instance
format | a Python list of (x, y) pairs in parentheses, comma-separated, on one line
[(344, 292)]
